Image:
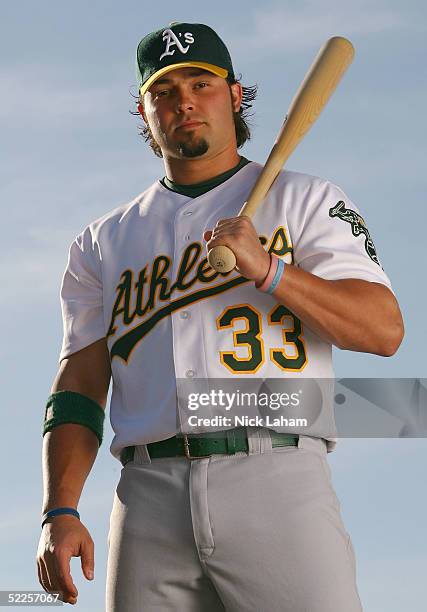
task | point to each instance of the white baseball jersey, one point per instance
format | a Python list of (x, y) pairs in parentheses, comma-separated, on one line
[(139, 276)]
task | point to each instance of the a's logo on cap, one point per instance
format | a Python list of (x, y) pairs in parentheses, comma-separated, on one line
[(172, 40)]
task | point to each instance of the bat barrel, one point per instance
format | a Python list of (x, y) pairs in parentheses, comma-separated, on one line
[(313, 94)]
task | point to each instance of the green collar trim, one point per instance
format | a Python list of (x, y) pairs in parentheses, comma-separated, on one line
[(198, 189)]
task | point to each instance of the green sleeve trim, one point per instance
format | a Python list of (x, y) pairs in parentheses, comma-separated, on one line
[(72, 407)]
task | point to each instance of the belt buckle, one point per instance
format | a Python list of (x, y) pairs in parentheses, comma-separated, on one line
[(187, 450)]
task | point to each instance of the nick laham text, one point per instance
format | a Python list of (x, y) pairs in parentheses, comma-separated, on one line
[(245, 421)]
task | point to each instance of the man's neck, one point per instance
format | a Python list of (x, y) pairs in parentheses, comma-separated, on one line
[(193, 171)]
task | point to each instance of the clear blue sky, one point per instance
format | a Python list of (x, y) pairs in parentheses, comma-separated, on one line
[(71, 152)]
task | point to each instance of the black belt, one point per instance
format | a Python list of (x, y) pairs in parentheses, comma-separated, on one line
[(197, 446)]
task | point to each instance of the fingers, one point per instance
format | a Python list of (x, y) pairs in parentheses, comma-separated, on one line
[(230, 227), (237, 226), (43, 576), (228, 235), (228, 220), (50, 583), (63, 580), (88, 558), (243, 220)]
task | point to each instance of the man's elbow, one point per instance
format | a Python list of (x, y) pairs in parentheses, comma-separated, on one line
[(383, 325), (392, 339), (391, 327)]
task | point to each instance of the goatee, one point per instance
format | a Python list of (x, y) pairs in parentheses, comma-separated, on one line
[(193, 149)]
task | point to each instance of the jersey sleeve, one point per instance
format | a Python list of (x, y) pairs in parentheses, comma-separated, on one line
[(332, 240), (81, 296)]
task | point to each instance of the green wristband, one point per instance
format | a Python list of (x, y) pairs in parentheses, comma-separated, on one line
[(72, 407)]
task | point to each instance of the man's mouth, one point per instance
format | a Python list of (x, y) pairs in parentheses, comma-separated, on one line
[(189, 125)]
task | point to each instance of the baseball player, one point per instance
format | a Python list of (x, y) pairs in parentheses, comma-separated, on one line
[(235, 518)]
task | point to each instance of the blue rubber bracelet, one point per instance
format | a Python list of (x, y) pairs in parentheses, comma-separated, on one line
[(277, 276), (57, 511)]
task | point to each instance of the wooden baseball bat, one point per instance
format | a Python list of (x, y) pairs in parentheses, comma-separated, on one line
[(314, 92)]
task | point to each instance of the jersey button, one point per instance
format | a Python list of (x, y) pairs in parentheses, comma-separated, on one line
[(187, 237), (184, 314), (190, 373)]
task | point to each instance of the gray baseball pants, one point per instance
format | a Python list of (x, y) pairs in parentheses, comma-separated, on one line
[(252, 532)]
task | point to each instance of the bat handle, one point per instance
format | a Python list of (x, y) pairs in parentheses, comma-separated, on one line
[(221, 259)]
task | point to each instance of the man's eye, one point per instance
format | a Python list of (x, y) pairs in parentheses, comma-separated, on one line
[(162, 93), (202, 84)]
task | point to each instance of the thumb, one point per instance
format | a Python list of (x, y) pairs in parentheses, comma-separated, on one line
[(207, 235), (87, 559)]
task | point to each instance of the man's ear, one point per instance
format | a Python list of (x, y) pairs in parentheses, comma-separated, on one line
[(236, 96), (141, 111)]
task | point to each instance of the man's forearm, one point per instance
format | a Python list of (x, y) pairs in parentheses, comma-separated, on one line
[(352, 314), (69, 452)]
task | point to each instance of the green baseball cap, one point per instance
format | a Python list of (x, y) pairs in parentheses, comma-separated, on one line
[(180, 45)]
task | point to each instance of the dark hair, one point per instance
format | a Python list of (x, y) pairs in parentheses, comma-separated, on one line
[(240, 117)]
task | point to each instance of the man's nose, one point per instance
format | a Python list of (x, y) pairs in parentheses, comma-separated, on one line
[(184, 100)]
